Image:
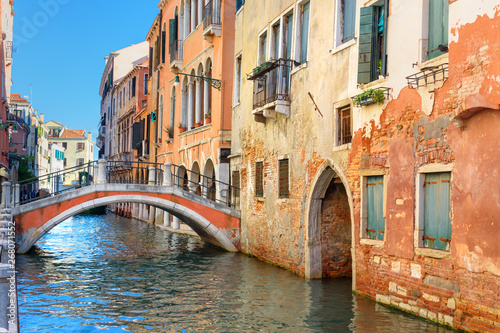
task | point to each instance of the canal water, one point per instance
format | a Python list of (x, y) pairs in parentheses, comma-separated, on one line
[(114, 274)]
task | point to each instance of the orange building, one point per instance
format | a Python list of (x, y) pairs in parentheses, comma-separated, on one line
[(190, 92)]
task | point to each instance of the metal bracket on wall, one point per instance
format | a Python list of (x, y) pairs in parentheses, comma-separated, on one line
[(315, 105)]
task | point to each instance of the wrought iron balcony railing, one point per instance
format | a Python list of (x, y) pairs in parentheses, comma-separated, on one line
[(176, 50), (271, 82), (212, 14)]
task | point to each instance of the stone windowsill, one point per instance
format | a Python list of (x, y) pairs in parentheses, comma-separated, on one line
[(346, 146), (344, 46), (371, 242), (432, 253), (196, 130)]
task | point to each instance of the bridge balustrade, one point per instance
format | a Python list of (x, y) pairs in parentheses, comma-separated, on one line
[(118, 172)]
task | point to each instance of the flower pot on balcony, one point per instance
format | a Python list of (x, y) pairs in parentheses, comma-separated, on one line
[(208, 120), (182, 129), (197, 125)]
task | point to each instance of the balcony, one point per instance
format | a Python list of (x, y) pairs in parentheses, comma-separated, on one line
[(8, 53), (176, 50), (271, 89), (428, 75), (212, 20), (102, 131)]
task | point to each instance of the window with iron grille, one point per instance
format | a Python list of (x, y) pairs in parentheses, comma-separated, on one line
[(344, 135), (259, 179), (283, 179)]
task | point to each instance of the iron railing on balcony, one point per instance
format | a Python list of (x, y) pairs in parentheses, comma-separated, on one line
[(212, 14), (271, 82), (176, 50), (8, 50)]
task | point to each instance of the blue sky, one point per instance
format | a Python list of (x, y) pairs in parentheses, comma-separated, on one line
[(59, 50)]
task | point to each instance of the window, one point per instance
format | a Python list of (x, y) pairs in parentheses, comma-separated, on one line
[(304, 31), (375, 220), (146, 76), (163, 42), (65, 162), (275, 40), (262, 48), (129, 95), (259, 179), (65, 145), (287, 47), (437, 221), (438, 28), (172, 114), (236, 186), (283, 178), (237, 81), (372, 60), (133, 86), (79, 161), (239, 4), (346, 17), (80, 146), (160, 118), (344, 134)]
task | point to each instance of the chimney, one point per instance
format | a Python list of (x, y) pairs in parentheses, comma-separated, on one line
[(42, 117), (90, 136)]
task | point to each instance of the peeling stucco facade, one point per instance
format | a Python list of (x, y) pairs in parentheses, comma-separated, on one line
[(446, 126)]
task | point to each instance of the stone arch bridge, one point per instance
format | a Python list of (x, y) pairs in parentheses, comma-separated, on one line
[(216, 221)]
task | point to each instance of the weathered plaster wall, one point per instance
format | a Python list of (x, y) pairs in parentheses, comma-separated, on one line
[(459, 288)]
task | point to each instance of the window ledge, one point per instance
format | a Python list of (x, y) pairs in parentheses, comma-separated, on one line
[(371, 242), (439, 60), (260, 199), (375, 83), (298, 68), (346, 146), (344, 46), (236, 104), (195, 130), (432, 253)]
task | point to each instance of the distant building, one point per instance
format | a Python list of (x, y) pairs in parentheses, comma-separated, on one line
[(118, 65), (41, 144), (78, 148), (57, 159)]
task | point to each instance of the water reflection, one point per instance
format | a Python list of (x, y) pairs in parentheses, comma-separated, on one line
[(113, 274)]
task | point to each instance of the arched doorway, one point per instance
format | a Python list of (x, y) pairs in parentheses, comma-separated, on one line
[(194, 179), (329, 225)]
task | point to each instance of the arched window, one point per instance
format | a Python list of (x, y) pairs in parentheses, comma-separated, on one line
[(172, 114)]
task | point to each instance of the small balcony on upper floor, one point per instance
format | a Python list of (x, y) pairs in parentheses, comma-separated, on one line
[(8, 52), (212, 20), (271, 89), (176, 50)]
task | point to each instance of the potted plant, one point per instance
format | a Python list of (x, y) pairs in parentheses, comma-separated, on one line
[(208, 117), (182, 128), (369, 97), (169, 131)]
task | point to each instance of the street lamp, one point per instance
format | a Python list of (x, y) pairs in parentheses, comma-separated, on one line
[(213, 82)]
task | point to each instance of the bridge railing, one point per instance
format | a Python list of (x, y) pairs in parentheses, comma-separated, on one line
[(119, 172), (134, 172), (50, 184)]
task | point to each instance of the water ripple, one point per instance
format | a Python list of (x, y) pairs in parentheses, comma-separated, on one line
[(107, 273)]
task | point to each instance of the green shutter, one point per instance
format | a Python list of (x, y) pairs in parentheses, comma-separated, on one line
[(349, 20), (438, 26), (172, 28), (437, 222), (304, 37), (375, 215), (366, 39)]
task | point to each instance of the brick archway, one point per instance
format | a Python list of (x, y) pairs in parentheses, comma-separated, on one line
[(321, 187)]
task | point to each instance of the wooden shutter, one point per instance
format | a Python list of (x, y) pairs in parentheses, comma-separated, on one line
[(349, 20), (259, 179), (135, 134), (163, 48), (366, 43), (172, 30), (438, 26), (283, 179), (304, 37), (150, 61), (375, 208), (134, 80), (437, 222)]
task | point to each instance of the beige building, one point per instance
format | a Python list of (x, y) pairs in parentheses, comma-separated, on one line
[(79, 149)]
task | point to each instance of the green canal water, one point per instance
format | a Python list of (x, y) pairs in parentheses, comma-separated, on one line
[(113, 274)]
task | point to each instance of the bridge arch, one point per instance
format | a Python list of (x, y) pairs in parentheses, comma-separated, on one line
[(203, 227)]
